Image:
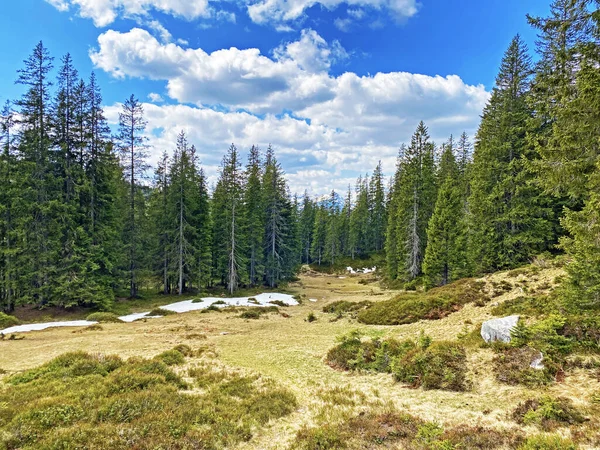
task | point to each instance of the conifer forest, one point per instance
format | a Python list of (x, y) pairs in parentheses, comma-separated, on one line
[(451, 301)]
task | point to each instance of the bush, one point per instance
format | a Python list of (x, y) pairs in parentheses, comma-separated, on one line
[(103, 317), (161, 312), (547, 413), (255, 313), (171, 358), (512, 366), (442, 365), (7, 321), (528, 306), (342, 307), (279, 303), (311, 317), (431, 305)]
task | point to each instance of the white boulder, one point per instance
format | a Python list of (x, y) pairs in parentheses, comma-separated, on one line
[(498, 329), (537, 362)]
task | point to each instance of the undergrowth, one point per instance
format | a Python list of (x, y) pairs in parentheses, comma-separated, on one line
[(79, 400), (434, 304)]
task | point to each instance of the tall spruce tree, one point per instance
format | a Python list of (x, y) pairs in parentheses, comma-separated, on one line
[(416, 199), (132, 146), (445, 256), (306, 226), (228, 227), (255, 220), (509, 216), (377, 209), (391, 236), (277, 207), (40, 238)]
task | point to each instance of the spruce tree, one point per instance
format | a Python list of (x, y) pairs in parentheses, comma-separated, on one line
[(378, 213), (306, 226), (509, 216), (228, 227), (416, 200), (132, 146), (332, 235), (444, 256), (391, 240), (255, 220), (277, 229)]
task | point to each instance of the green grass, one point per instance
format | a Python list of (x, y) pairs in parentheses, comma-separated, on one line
[(431, 305), (80, 400), (257, 312), (161, 312)]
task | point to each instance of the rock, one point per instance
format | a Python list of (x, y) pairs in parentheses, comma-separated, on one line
[(498, 329), (537, 362)]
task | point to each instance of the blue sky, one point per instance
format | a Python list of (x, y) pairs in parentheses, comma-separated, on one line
[(335, 86)]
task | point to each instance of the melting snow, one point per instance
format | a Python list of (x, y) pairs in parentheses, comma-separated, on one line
[(363, 270), (179, 307), (43, 326)]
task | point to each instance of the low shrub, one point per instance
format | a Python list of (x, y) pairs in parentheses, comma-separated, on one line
[(311, 317), (431, 305), (171, 357), (547, 413), (90, 401), (210, 308), (7, 321), (342, 307), (103, 317), (513, 366), (256, 313), (528, 306), (279, 303), (442, 365)]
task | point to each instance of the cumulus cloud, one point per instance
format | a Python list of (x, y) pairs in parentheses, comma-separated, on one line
[(155, 98), (326, 129), (104, 12)]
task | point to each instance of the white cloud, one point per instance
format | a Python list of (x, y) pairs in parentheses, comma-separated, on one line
[(266, 11), (104, 12), (338, 127), (343, 24), (163, 33), (155, 98)]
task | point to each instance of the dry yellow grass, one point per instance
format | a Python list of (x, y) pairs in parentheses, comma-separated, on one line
[(291, 351)]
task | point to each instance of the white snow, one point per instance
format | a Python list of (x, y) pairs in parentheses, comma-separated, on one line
[(138, 316), (363, 270), (312, 300), (178, 307), (261, 300), (43, 326)]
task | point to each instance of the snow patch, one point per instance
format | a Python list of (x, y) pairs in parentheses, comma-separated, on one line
[(264, 299), (43, 326), (363, 270)]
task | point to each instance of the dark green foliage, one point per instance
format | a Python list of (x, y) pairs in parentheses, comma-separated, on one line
[(412, 202), (445, 256), (311, 317), (103, 317), (529, 306), (84, 401), (441, 365), (431, 305), (547, 413), (548, 442)]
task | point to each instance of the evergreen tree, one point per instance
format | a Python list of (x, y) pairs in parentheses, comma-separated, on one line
[(378, 214), (359, 220), (509, 216), (255, 220), (319, 233), (332, 236), (391, 240), (132, 147), (228, 227), (8, 241), (444, 256), (36, 208), (277, 220), (306, 226), (416, 200)]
